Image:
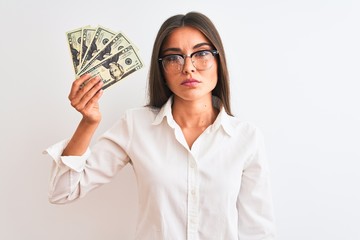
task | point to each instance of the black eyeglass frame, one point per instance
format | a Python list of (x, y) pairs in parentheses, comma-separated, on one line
[(184, 56)]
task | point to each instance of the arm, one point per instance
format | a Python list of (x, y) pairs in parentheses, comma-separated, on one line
[(255, 209), (84, 100), (70, 156)]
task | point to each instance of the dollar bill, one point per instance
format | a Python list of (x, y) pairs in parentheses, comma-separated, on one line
[(74, 41), (102, 36), (87, 35), (117, 67), (118, 42)]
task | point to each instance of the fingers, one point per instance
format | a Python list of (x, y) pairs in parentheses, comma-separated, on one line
[(82, 95), (77, 85), (91, 98), (92, 103)]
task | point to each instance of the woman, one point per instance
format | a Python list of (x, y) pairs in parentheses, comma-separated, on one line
[(201, 173)]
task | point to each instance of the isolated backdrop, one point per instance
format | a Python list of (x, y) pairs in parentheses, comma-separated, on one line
[(294, 69)]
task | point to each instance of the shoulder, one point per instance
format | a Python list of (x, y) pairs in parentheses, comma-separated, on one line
[(141, 114), (243, 128), (140, 117)]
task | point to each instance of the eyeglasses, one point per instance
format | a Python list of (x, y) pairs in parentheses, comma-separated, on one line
[(201, 60)]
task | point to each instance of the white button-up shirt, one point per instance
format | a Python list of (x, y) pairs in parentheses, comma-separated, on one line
[(219, 189)]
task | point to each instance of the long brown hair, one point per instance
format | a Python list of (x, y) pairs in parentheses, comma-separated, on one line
[(158, 92)]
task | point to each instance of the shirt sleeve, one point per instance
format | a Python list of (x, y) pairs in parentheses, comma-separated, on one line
[(255, 208), (72, 177)]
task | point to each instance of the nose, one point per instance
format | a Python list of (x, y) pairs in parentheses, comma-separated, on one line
[(188, 65)]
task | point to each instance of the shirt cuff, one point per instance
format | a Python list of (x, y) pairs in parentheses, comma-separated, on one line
[(76, 163)]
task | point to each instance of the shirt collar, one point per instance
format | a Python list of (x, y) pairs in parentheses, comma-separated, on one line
[(223, 119), (165, 111)]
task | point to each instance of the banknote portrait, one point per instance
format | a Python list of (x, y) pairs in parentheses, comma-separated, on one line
[(116, 71)]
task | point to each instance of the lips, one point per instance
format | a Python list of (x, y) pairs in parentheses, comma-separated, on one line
[(190, 82)]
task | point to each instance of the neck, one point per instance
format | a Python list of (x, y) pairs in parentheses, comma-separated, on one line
[(194, 114)]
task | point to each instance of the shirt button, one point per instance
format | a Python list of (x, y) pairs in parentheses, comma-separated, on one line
[(192, 164), (193, 192)]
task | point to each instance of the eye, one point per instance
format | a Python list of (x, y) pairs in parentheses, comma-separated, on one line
[(172, 58), (202, 54)]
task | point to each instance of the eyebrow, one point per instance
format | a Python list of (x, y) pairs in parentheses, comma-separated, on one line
[(179, 50)]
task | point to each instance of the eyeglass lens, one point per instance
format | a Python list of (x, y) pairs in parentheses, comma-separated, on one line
[(201, 60)]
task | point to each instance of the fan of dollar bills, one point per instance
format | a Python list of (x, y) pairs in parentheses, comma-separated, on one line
[(104, 53)]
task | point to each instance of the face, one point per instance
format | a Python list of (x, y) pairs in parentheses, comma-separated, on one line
[(190, 83), (115, 72)]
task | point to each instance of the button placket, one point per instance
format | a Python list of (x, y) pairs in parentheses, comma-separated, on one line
[(193, 200)]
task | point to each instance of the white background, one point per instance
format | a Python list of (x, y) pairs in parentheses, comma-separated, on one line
[(294, 69)]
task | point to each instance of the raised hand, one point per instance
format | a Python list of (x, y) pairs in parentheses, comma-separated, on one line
[(84, 97)]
